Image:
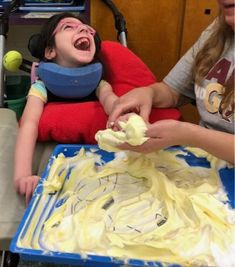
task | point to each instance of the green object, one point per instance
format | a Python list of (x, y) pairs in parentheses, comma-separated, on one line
[(16, 91)]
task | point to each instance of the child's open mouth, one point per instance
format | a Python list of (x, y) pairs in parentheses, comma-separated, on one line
[(83, 44)]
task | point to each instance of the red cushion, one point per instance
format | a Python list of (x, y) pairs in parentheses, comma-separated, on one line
[(79, 122)]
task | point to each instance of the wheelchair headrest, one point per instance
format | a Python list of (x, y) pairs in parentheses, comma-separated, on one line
[(70, 82)]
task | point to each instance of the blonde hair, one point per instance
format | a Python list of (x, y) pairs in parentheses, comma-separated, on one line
[(212, 49)]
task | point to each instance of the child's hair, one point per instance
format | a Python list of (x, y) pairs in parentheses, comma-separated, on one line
[(38, 42), (213, 48)]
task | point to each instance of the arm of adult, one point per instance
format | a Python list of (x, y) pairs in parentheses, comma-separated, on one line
[(141, 100), (167, 133)]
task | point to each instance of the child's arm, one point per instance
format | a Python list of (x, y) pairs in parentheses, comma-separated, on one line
[(106, 96), (24, 181)]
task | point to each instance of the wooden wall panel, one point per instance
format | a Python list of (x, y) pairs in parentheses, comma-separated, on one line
[(159, 31), (198, 15), (154, 29)]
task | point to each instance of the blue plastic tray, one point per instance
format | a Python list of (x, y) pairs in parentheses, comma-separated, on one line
[(227, 176)]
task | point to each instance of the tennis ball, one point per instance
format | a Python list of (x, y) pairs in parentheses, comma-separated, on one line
[(12, 60)]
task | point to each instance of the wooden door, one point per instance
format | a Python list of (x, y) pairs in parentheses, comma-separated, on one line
[(159, 31), (197, 16), (154, 29)]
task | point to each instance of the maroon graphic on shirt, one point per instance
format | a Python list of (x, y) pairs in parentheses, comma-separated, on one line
[(220, 96)]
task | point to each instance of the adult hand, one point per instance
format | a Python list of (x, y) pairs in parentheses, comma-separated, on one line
[(162, 134), (138, 100), (26, 185)]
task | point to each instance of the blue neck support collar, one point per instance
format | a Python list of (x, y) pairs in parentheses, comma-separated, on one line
[(70, 82)]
